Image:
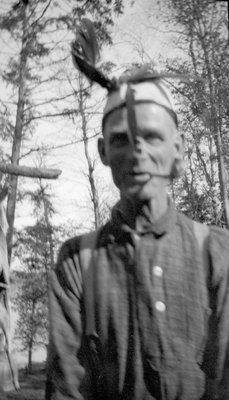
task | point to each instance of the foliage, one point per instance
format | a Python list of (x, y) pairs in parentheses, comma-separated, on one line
[(202, 35), (31, 304), (35, 250), (36, 73), (31, 299)]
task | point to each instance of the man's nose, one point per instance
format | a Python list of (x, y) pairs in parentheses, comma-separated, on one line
[(138, 151), (138, 144)]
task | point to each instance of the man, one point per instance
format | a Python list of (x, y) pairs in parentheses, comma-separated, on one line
[(147, 315)]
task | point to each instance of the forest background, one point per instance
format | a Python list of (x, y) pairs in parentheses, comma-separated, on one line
[(50, 117)]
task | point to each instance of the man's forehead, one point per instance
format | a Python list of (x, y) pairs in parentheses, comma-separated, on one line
[(149, 117)]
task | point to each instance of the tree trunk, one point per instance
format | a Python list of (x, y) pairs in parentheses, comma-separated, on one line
[(50, 239), (218, 141), (30, 351), (18, 130), (30, 347), (222, 180), (213, 122), (49, 228), (93, 189)]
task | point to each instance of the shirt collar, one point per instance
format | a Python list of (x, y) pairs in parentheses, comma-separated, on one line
[(121, 220)]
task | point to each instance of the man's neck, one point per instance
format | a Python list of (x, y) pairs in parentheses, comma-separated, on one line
[(151, 210)]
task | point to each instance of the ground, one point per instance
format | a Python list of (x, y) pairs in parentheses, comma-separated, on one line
[(32, 386)]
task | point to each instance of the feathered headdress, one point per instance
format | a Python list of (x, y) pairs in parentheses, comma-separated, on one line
[(85, 55), (141, 85), (128, 90)]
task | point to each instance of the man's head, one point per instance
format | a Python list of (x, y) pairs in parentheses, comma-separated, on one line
[(141, 142)]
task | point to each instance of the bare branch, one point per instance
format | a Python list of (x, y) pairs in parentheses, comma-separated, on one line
[(60, 114), (43, 12), (60, 146)]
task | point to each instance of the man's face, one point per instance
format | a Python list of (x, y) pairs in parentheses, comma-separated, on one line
[(140, 168)]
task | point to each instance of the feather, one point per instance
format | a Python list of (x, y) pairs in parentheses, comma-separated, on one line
[(87, 42), (85, 54), (145, 73)]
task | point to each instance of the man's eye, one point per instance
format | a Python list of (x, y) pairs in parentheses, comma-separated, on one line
[(119, 139), (152, 138)]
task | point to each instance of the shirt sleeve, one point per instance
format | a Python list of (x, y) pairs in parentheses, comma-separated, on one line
[(64, 370), (216, 363)]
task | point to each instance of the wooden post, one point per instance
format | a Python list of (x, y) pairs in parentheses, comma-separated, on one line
[(29, 172), (4, 297)]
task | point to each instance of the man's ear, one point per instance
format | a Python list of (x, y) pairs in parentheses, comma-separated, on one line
[(102, 151), (178, 164), (179, 145)]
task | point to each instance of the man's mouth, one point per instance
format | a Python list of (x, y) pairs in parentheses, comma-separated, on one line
[(140, 177)]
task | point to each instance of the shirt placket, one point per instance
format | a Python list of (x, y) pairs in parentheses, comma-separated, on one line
[(152, 306)]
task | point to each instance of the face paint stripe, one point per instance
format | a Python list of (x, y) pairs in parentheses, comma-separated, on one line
[(131, 116)]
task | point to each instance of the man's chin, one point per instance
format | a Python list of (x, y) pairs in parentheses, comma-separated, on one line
[(143, 192), (139, 193)]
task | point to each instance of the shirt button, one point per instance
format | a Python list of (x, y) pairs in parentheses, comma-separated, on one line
[(158, 271), (136, 237), (160, 306)]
